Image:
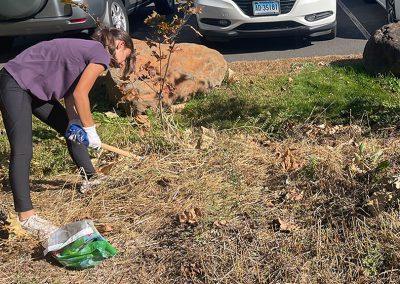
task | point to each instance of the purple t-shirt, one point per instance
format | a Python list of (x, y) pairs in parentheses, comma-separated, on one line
[(48, 69)]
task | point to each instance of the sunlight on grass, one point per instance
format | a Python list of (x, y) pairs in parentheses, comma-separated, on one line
[(334, 94)]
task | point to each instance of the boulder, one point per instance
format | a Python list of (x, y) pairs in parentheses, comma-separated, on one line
[(193, 68), (382, 52)]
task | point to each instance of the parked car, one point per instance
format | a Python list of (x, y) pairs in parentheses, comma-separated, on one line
[(27, 17), (226, 19), (392, 8)]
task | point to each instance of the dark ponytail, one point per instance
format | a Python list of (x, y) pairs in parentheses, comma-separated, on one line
[(107, 36)]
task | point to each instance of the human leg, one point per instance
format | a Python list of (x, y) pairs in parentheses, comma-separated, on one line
[(54, 114), (15, 106)]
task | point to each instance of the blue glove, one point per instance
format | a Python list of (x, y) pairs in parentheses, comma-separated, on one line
[(77, 134)]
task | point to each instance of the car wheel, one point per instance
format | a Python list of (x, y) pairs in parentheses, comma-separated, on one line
[(116, 15), (6, 43), (165, 7), (391, 11)]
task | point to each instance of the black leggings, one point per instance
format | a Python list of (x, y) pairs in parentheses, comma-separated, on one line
[(17, 107)]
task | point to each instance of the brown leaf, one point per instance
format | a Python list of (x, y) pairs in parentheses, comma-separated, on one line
[(191, 270), (289, 162), (190, 216), (295, 195), (151, 43), (219, 224), (104, 228), (143, 120), (105, 170), (231, 76), (111, 114), (12, 227), (178, 108), (379, 201), (283, 225), (206, 139), (182, 218)]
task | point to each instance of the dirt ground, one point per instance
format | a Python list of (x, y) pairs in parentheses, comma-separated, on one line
[(233, 206)]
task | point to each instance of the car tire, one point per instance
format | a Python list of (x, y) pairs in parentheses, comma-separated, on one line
[(370, 1), (116, 15), (6, 43), (391, 11), (165, 7)]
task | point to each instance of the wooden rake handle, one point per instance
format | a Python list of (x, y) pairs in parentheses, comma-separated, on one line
[(120, 151)]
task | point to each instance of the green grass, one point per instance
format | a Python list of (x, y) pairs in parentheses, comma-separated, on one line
[(331, 94), (334, 94)]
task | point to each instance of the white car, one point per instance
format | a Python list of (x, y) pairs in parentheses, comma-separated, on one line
[(227, 19), (392, 7)]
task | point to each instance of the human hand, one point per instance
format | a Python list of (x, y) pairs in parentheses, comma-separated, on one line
[(93, 137), (76, 133), (84, 135)]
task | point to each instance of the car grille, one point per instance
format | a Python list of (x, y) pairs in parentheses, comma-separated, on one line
[(247, 6), (268, 26)]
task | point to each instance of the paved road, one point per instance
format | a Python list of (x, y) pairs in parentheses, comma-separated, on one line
[(356, 20)]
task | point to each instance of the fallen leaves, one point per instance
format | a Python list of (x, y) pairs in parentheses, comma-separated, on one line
[(143, 120), (231, 76), (111, 114), (178, 108), (104, 228), (284, 226), (10, 227), (288, 161), (295, 195), (191, 270), (106, 169), (190, 217), (220, 224), (206, 139), (379, 201)]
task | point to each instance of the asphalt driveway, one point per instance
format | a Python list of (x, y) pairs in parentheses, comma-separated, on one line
[(356, 21)]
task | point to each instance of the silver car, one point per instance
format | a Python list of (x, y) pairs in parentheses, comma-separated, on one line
[(27, 17), (392, 8)]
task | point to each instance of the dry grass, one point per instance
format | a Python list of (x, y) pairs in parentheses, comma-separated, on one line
[(273, 68), (271, 211), (242, 185)]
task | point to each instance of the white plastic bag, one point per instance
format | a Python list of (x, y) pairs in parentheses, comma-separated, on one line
[(68, 234)]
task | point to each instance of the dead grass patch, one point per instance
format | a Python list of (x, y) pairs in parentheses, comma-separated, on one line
[(241, 186)]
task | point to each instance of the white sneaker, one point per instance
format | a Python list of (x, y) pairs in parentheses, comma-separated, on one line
[(38, 227), (89, 184)]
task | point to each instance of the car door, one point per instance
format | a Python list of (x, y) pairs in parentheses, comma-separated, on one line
[(20, 9), (97, 8)]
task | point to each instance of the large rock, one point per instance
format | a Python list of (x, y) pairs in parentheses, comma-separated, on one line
[(193, 68), (382, 52)]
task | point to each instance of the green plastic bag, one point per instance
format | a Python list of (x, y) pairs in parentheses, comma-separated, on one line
[(79, 245)]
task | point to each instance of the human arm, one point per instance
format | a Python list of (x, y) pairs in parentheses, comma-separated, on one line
[(70, 107), (80, 94), (78, 108)]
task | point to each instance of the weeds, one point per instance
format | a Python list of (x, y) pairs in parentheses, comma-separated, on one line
[(209, 213), (348, 96)]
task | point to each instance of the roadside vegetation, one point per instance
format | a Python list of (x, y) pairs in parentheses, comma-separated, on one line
[(267, 179)]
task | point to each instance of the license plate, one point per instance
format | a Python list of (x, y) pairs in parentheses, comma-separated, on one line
[(266, 8)]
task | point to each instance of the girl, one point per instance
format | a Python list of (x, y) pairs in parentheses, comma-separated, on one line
[(34, 82)]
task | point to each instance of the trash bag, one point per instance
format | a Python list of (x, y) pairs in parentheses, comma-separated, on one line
[(79, 245)]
